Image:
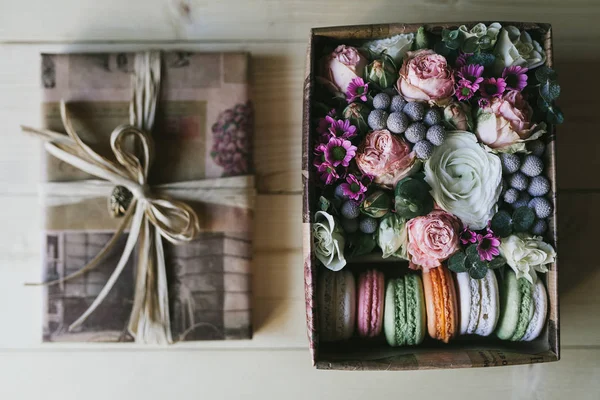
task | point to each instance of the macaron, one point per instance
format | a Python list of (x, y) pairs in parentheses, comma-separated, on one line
[(478, 301), (369, 319), (337, 305), (523, 308), (404, 312), (440, 300)]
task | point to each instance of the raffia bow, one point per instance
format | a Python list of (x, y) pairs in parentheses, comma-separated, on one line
[(152, 214)]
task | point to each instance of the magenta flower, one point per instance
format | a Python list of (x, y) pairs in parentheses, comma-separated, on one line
[(515, 77), (492, 87), (472, 73), (324, 125), (357, 89), (342, 129), (483, 102), (353, 188), (487, 246), (467, 236), (339, 152), (328, 173), (461, 60), (465, 89)]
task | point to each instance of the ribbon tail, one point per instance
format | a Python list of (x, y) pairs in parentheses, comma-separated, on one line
[(136, 224), (150, 321), (99, 257)]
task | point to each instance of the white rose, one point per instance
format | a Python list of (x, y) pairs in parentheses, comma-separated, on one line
[(328, 241), (526, 254), (393, 237), (396, 46), (516, 47), (465, 179)]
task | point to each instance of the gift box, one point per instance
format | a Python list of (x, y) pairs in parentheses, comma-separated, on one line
[(202, 138), (374, 354)]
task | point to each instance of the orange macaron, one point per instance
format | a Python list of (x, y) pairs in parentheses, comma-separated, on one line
[(440, 301)]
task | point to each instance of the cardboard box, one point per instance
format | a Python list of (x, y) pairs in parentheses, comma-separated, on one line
[(360, 354)]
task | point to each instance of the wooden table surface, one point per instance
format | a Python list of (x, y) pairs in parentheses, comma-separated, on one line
[(276, 364)]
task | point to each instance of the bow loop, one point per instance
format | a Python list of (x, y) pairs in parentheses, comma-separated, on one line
[(175, 220), (135, 167)]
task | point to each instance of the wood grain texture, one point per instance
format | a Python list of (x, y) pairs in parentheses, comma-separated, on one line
[(276, 362)]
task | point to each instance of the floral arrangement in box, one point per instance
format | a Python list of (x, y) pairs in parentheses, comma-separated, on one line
[(430, 148)]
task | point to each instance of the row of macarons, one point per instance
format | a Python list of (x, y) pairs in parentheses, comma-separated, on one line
[(439, 302)]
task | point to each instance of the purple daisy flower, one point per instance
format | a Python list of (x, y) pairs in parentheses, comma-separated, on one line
[(357, 89), (492, 87), (483, 102), (353, 188), (324, 125), (342, 129), (487, 246), (465, 89), (339, 152), (472, 73), (461, 60), (467, 236), (515, 77), (328, 173)]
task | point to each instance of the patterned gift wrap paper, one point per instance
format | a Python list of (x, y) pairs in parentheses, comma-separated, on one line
[(203, 130), (459, 354)]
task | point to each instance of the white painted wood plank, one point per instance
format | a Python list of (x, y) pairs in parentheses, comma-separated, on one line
[(148, 20), (164, 374)]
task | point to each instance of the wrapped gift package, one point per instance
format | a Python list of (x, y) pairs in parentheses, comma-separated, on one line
[(374, 353), (202, 131)]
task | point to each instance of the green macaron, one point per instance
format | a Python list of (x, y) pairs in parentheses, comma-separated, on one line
[(517, 307), (404, 311)]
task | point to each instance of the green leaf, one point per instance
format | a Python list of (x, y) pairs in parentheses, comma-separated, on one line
[(453, 44), (523, 218), (470, 45), (544, 73), (362, 244), (555, 115), (412, 198), (496, 262), (485, 42), (485, 59), (502, 224), (472, 255), (550, 91), (478, 270), (543, 105), (324, 204), (456, 262), (422, 39), (445, 33)]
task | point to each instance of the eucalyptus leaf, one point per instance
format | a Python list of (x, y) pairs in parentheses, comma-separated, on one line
[(472, 255), (550, 91), (412, 198), (543, 105), (362, 244), (523, 218), (555, 115), (502, 224), (478, 270), (496, 262), (544, 73), (324, 204), (471, 44), (456, 262), (485, 42), (453, 44)]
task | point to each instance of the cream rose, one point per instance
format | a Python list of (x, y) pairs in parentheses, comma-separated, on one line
[(526, 255), (386, 157), (396, 46), (328, 241), (426, 76), (432, 238), (340, 67), (505, 123), (465, 179)]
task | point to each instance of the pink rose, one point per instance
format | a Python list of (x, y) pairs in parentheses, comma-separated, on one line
[(386, 157), (340, 67), (432, 238), (425, 76), (504, 121)]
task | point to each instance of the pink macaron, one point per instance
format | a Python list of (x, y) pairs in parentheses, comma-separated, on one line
[(371, 286)]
